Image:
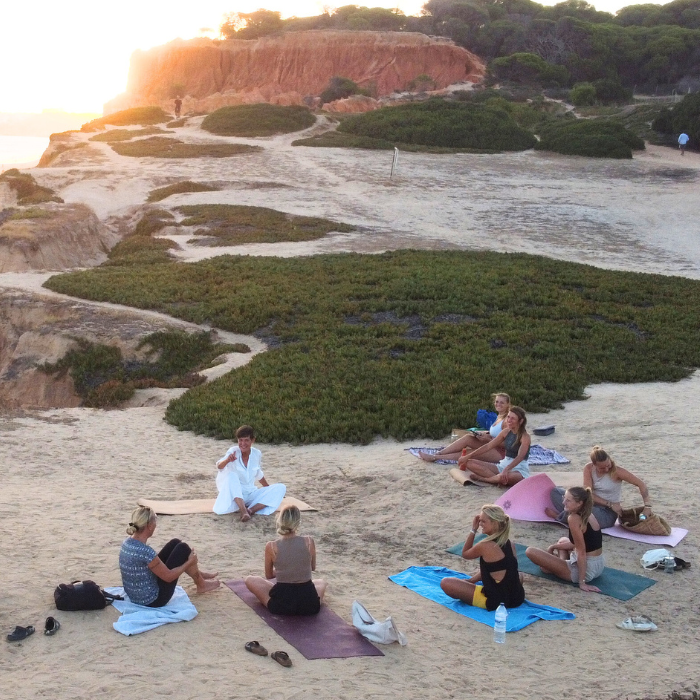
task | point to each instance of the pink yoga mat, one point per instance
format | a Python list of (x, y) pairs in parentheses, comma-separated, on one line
[(529, 497), (322, 636)]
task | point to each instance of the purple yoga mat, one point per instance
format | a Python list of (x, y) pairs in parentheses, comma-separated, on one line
[(322, 636)]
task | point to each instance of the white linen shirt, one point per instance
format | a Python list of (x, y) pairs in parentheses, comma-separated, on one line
[(247, 476)]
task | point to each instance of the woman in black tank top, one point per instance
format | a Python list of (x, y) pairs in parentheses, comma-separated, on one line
[(498, 567), (579, 557)]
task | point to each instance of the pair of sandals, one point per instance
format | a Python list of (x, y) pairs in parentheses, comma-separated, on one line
[(51, 626), (281, 657)]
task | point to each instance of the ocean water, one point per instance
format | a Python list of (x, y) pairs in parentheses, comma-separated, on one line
[(21, 150)]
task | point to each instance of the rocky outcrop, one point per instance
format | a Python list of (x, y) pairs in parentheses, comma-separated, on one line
[(354, 104), (53, 237), (289, 68), (37, 329)]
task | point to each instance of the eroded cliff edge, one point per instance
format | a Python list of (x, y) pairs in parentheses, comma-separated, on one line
[(288, 68)]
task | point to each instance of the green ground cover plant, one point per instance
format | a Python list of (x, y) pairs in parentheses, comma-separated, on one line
[(177, 123), (31, 213), (238, 224), (179, 188), (334, 139), (594, 138), (103, 378), (164, 147), (27, 189), (442, 123), (116, 135), (409, 343), (143, 116), (140, 248), (258, 120)]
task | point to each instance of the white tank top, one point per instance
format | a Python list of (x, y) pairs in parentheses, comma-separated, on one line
[(606, 487), (496, 428)]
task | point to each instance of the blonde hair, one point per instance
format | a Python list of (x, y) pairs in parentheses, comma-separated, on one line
[(140, 519), (288, 520), (498, 515), (598, 454), (584, 496), (503, 395)]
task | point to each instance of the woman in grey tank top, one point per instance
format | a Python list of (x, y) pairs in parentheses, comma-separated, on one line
[(605, 479), (287, 588)]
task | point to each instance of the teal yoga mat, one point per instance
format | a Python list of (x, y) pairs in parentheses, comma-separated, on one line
[(613, 582)]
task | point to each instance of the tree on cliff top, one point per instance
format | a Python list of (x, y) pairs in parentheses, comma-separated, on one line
[(251, 25)]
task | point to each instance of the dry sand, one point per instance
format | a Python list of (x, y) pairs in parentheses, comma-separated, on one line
[(72, 476)]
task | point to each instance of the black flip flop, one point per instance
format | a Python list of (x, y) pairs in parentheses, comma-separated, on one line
[(51, 626), (681, 564), (282, 658), (20, 633), (256, 648)]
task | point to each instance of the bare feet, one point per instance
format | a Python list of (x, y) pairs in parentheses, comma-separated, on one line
[(245, 517), (428, 457), (472, 480), (208, 585), (208, 576), (551, 513)]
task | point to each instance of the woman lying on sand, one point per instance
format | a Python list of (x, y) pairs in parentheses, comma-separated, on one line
[(514, 467), (149, 578), (578, 557), (604, 478), (290, 559), (475, 439), (498, 568)]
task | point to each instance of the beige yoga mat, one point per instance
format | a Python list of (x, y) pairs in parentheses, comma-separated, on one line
[(565, 479), (206, 505)]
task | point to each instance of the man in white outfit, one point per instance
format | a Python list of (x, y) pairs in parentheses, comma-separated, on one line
[(239, 469)]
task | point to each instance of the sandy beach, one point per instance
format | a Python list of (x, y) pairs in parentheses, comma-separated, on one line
[(72, 476)]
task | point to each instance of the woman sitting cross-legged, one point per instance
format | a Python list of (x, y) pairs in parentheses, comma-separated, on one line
[(290, 560), (498, 567), (578, 557), (514, 467), (476, 439), (149, 578)]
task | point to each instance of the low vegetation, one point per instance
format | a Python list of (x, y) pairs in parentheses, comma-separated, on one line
[(27, 189), (339, 88), (179, 188), (177, 123), (140, 248), (31, 213), (258, 120), (117, 135), (164, 147), (595, 138), (238, 224), (103, 378), (143, 116), (409, 343), (440, 123), (334, 139), (683, 117)]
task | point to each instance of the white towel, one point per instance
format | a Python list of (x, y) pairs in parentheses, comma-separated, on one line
[(140, 618)]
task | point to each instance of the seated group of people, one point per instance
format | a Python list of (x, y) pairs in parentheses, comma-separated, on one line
[(500, 456), (150, 578)]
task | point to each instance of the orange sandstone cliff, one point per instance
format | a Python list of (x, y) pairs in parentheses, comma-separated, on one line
[(288, 68)]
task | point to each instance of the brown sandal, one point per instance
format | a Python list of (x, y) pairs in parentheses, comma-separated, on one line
[(256, 648), (282, 658)]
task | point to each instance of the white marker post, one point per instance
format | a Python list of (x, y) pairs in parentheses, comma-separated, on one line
[(394, 162)]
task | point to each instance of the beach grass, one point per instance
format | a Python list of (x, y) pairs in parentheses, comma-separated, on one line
[(165, 147), (229, 224), (258, 120), (27, 189), (408, 344)]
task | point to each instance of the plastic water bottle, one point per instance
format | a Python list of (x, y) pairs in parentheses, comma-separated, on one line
[(499, 629)]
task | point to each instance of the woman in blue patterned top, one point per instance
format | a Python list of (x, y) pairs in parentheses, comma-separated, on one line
[(149, 578)]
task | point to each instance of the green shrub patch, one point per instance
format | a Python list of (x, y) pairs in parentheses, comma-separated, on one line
[(440, 123), (408, 344), (164, 147), (179, 188), (595, 138), (258, 120), (117, 135), (237, 224), (143, 116), (27, 189)]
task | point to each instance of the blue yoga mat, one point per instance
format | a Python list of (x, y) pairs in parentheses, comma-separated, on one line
[(425, 580), (613, 582)]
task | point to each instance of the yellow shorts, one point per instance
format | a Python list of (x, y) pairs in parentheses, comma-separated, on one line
[(479, 599)]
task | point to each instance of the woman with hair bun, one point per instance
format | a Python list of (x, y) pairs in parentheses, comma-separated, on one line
[(287, 588), (498, 567), (605, 479), (579, 557), (149, 578)]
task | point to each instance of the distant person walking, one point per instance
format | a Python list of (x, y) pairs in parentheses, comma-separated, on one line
[(178, 106), (683, 142)]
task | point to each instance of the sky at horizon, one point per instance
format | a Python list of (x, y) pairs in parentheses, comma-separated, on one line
[(77, 55)]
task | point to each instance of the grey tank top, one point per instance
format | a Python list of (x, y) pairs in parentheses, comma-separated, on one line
[(512, 446), (606, 487), (293, 560)]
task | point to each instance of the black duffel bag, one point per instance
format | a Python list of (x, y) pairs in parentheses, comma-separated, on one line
[(82, 595)]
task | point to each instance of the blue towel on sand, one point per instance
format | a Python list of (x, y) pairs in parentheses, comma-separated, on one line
[(538, 455), (425, 580)]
